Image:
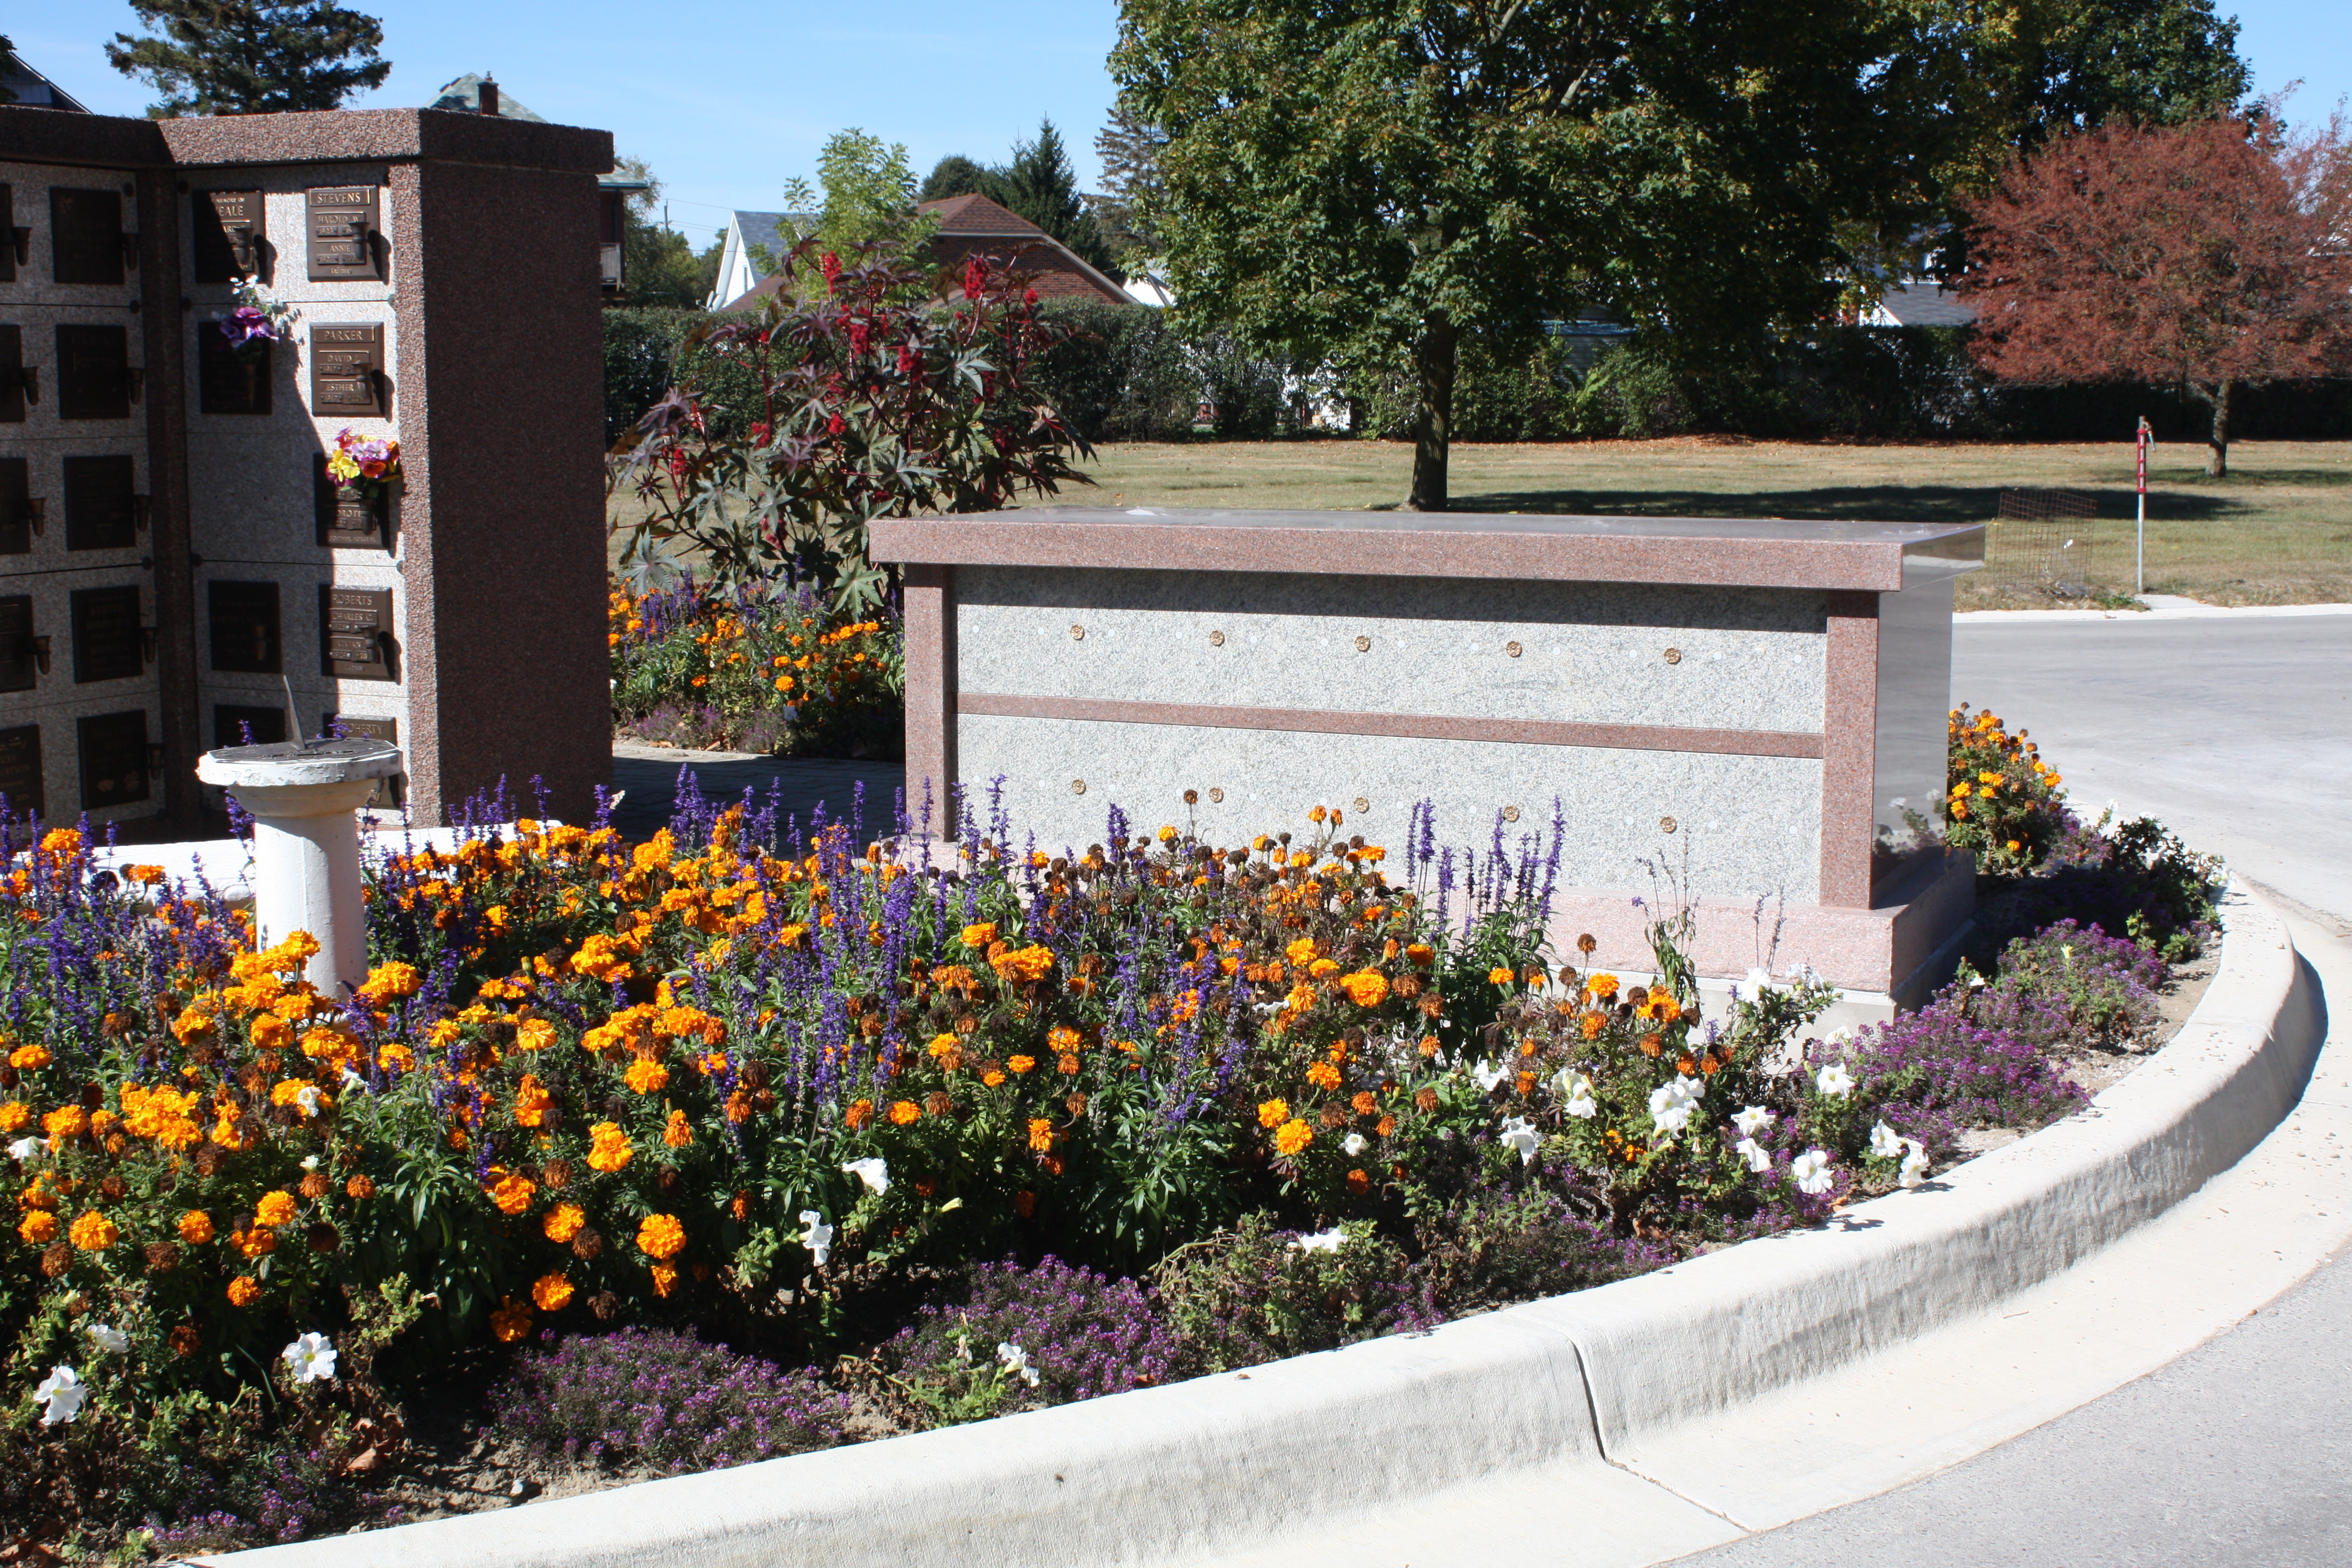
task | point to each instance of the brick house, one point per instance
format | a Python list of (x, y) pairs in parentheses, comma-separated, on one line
[(974, 226)]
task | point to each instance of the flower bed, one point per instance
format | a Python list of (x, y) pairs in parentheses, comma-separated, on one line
[(693, 1151), (765, 669)]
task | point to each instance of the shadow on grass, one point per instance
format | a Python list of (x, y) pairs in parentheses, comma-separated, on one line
[(1873, 503)]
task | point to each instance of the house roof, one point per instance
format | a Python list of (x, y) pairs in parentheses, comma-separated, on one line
[(975, 214), (465, 96), (768, 228), (32, 89), (1925, 305), (976, 218)]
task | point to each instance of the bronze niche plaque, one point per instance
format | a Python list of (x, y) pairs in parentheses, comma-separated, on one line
[(229, 229), (86, 237), (16, 506), (113, 758), (356, 623), (346, 370), (345, 244), (108, 643), (101, 512), (246, 639), (94, 373), (348, 520), (235, 726), (20, 771), (229, 380), (18, 386), (342, 727), (20, 670)]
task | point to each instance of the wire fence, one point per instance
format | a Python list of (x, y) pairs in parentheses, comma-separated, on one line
[(2047, 542)]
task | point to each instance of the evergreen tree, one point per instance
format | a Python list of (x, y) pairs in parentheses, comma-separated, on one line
[(250, 57), (1041, 185), (1129, 150), (957, 175)]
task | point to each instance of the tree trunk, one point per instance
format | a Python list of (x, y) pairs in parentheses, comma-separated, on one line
[(2220, 466), (1433, 363)]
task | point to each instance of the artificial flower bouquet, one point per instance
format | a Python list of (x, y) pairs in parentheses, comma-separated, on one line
[(255, 322), (364, 467)]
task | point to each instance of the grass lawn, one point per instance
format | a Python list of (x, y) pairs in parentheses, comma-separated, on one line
[(2277, 531)]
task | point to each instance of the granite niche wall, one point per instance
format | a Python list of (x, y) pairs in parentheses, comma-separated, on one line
[(1757, 706), (177, 571)]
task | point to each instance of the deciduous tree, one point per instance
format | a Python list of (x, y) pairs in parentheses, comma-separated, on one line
[(2210, 255), (250, 57), (1365, 180)]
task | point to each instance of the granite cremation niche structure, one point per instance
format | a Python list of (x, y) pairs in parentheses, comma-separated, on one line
[(1756, 707), (173, 557)]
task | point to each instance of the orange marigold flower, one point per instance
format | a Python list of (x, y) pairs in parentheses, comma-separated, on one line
[(93, 1232), (534, 1034), (65, 1122), (563, 1222), (13, 1115), (531, 1102), (1031, 963), (661, 1237), (389, 980), (1063, 1039), (646, 1075), (1359, 1183), (1293, 1136), (1041, 1135), (993, 1077), (1324, 1076), (512, 1322), (1021, 1064), (859, 1113), (676, 1132), (1366, 987), (665, 1279), (273, 1209), (1069, 1063), (511, 1192), (552, 1292), (196, 1227), (243, 1290), (905, 1113), (360, 1186), (979, 934), (608, 1147), (25, 1059), (1387, 1125), (1273, 1112), (1301, 951), (1602, 986), (39, 1228)]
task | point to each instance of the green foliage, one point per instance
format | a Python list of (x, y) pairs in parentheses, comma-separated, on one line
[(1253, 1294), (2153, 62), (957, 175), (1120, 375), (1038, 184), (250, 57), (868, 199)]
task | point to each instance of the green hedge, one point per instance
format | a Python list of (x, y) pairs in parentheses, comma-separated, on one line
[(1125, 374)]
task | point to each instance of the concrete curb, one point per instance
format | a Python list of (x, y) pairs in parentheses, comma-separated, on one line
[(2160, 607), (1570, 1387)]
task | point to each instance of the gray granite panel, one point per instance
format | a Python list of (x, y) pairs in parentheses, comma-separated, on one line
[(1915, 685), (1745, 658), (1744, 825)]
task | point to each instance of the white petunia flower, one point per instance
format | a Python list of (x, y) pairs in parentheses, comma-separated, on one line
[(1353, 1144), (1016, 1362), (311, 1358), (1885, 1143), (310, 1162), (1519, 1134), (1671, 1103), (109, 1338), (1835, 1080), (1752, 1121), (1759, 981), (874, 1171), (1488, 1074), (1331, 1240), (1577, 1089), (816, 1235), (1754, 1154), (25, 1150), (1812, 1170), (1915, 1166), (307, 1098), (61, 1394)]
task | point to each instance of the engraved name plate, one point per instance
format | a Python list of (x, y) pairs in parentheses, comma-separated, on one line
[(229, 228), (85, 236), (14, 382), (346, 370), (228, 380), (109, 644), (235, 726), (344, 222), (19, 671), (16, 506), (20, 770), (101, 512), (94, 373), (246, 639), (346, 521), (113, 758), (357, 632)]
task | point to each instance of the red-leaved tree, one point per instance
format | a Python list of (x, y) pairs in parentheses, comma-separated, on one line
[(2210, 255)]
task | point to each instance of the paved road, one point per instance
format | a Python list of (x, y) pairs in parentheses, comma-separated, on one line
[(2238, 732)]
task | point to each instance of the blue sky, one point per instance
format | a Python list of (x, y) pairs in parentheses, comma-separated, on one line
[(729, 100)]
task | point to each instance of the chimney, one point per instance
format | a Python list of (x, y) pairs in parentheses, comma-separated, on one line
[(489, 95)]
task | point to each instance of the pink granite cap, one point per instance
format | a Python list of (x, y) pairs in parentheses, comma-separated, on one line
[(1751, 552)]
